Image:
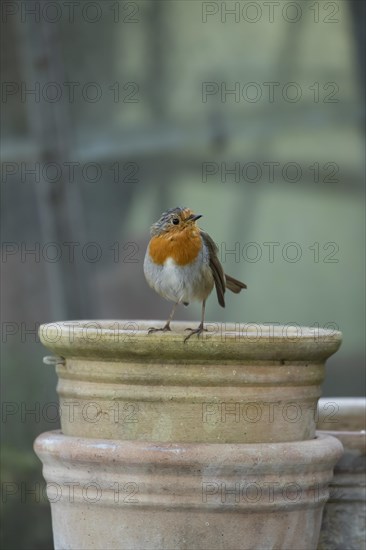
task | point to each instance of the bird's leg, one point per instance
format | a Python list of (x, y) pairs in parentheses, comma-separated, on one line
[(200, 327), (166, 327)]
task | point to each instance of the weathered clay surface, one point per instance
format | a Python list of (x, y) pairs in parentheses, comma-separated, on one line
[(136, 495), (344, 519), (236, 384)]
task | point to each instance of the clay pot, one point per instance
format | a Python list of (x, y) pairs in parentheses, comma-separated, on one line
[(344, 520), (236, 384), (134, 494)]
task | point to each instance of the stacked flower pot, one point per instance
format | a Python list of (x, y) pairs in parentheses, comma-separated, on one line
[(344, 518), (208, 444)]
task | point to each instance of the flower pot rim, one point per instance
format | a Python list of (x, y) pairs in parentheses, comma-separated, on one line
[(343, 433), (344, 400), (129, 339), (109, 450), (342, 416)]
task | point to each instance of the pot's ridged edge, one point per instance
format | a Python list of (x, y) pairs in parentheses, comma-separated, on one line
[(129, 340), (230, 455), (199, 393), (222, 374), (202, 476)]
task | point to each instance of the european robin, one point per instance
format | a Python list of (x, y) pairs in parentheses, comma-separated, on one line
[(181, 264)]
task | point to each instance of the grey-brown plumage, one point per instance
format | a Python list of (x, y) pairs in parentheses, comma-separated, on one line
[(222, 281)]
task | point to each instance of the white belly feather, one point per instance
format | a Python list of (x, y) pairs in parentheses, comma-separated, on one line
[(180, 283)]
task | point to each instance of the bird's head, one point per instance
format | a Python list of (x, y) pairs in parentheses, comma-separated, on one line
[(174, 221)]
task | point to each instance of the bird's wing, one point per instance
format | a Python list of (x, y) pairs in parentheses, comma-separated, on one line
[(216, 268)]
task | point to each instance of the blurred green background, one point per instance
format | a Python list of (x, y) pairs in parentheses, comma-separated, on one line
[(253, 117)]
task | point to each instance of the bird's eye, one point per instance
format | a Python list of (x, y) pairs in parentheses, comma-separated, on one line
[(175, 221)]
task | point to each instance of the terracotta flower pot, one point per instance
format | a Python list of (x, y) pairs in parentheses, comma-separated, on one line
[(139, 495), (344, 520), (236, 384)]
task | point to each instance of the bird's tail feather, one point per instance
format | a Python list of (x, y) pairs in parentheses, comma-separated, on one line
[(234, 285)]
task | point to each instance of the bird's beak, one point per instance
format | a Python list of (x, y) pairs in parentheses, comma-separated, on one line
[(194, 217)]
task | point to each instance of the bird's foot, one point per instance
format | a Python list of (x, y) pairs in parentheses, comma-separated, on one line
[(165, 328), (197, 331)]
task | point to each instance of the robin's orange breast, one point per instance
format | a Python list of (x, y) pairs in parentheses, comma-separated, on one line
[(183, 247)]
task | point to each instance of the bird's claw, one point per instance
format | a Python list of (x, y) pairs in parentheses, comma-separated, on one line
[(197, 331), (165, 328)]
